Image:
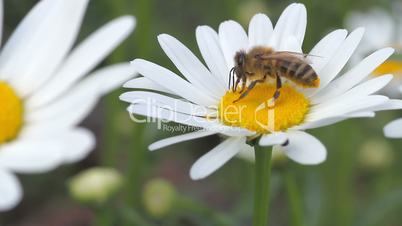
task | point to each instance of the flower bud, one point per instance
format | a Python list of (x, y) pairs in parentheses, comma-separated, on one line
[(95, 185), (375, 154), (247, 9), (159, 196)]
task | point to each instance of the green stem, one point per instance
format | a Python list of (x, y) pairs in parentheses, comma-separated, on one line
[(135, 171), (111, 138), (143, 9), (262, 179), (294, 199)]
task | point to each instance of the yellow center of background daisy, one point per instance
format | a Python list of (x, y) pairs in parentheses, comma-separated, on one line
[(11, 113), (289, 109), (389, 67)]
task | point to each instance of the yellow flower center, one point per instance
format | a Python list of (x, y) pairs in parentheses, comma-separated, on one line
[(11, 113), (287, 111), (389, 67)]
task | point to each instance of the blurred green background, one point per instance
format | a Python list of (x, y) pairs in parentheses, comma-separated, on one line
[(350, 188)]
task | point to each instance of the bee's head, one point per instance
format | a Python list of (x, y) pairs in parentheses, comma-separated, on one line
[(240, 64), (240, 59), (239, 69)]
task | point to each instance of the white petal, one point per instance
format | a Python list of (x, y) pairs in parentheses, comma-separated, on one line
[(304, 148), (97, 84), (173, 82), (72, 108), (31, 155), (319, 123), (389, 105), (291, 44), (10, 190), (332, 120), (345, 105), (145, 83), (273, 139), (78, 143), (340, 58), (361, 114), (84, 58), (67, 120), (234, 131), (189, 65), (108, 78), (292, 22), (167, 115), (325, 48), (69, 110), (40, 43), (353, 76), (394, 129), (72, 144), (233, 38), (208, 43), (259, 30), (370, 86), (162, 101), (216, 158), (178, 139)]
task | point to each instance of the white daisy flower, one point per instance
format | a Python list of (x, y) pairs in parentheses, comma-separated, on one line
[(202, 98), (383, 29), (46, 90)]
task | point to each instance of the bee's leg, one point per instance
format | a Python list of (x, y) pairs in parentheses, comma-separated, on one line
[(278, 88), (231, 78), (249, 88), (243, 84), (235, 85), (271, 102)]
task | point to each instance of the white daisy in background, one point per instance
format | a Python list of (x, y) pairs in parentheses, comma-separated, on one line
[(43, 92), (202, 98), (383, 28)]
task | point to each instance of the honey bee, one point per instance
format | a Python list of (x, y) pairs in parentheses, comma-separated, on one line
[(261, 63)]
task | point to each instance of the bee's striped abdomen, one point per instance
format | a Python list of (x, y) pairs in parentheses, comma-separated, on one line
[(299, 72)]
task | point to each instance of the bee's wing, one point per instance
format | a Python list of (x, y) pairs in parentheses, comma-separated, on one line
[(300, 54), (282, 55), (294, 65)]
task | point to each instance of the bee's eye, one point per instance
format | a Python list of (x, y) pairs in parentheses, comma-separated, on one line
[(241, 60)]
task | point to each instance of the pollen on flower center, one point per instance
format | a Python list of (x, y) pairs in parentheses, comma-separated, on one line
[(11, 113), (389, 67), (287, 111)]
